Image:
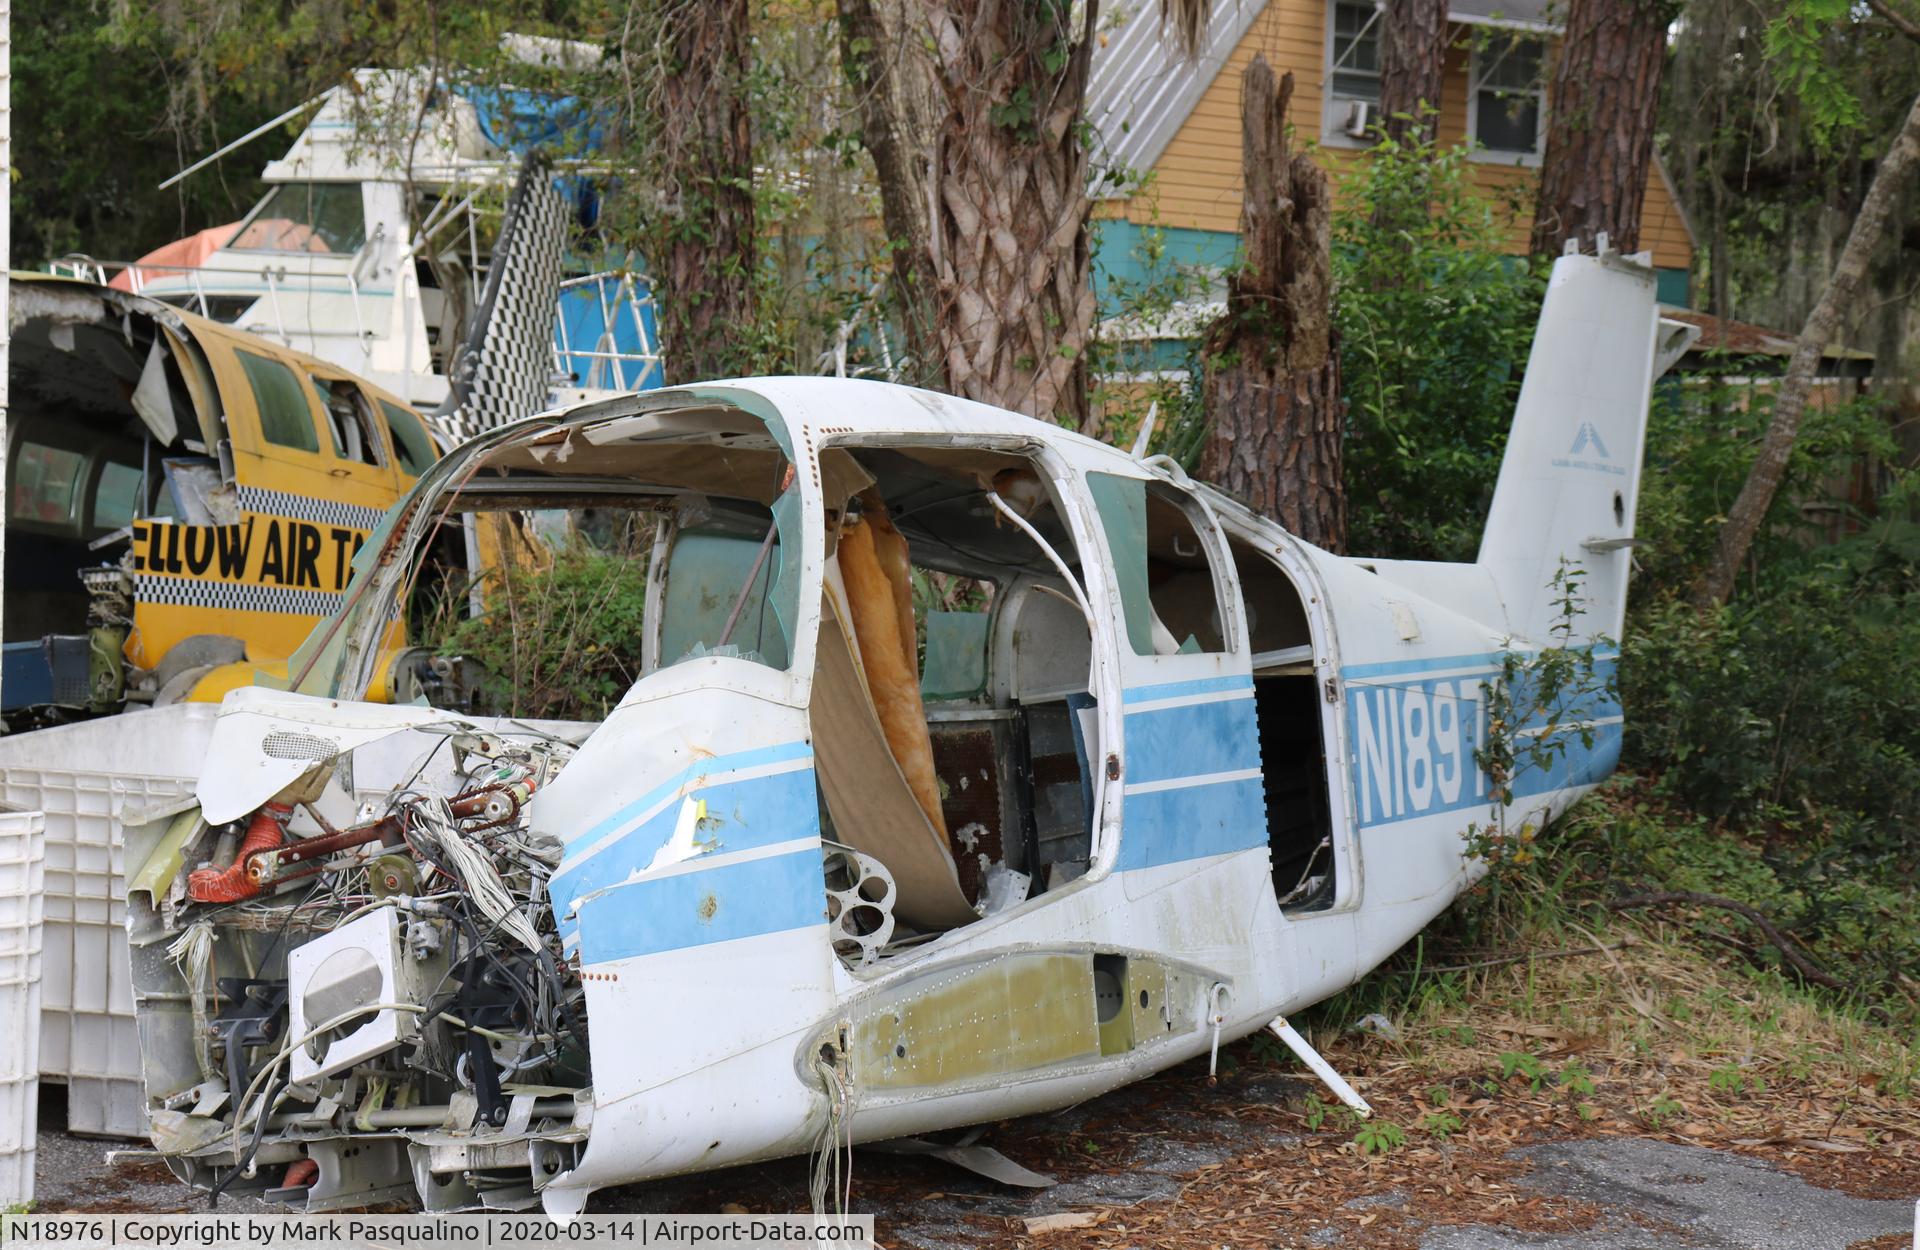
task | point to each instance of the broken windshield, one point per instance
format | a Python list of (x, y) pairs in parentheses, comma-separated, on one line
[(697, 507)]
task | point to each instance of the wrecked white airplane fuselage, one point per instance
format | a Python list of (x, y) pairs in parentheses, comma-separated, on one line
[(1131, 774)]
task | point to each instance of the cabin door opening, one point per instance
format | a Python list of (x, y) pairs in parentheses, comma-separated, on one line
[(1296, 732)]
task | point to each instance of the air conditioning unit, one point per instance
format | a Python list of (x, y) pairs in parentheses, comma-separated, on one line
[(1359, 117)]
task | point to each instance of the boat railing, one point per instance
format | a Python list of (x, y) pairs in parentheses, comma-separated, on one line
[(605, 331)]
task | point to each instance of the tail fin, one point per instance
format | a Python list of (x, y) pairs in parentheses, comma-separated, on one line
[(1571, 475), (505, 371)]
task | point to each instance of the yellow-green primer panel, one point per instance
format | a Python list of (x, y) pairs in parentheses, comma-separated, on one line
[(1147, 988), (1012, 1014)]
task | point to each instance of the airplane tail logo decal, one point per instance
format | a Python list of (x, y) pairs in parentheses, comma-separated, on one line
[(1587, 437)]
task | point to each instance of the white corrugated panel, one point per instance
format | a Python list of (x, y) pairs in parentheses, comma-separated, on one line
[(84, 777), (21, 881)]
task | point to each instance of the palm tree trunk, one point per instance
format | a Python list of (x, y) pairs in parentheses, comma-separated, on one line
[(1272, 388), (887, 70), (1008, 238), (706, 248), (1827, 321)]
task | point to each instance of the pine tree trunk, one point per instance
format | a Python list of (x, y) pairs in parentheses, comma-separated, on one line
[(706, 236), (886, 68), (1413, 61), (1600, 118), (1272, 387), (1838, 303), (1009, 240)]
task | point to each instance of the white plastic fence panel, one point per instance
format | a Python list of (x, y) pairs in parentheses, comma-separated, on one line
[(84, 777), (22, 878)]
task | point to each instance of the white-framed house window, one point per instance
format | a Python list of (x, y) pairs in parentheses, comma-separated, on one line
[(1507, 99), (1353, 71)]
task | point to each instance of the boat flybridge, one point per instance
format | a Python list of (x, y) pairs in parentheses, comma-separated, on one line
[(375, 245)]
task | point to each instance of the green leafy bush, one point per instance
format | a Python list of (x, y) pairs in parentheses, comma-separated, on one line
[(559, 643), (1435, 323), (1795, 701)]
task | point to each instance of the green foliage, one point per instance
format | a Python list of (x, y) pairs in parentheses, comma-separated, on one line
[(1663, 1110), (1319, 1113), (1543, 700), (1525, 1066), (1846, 895), (562, 643), (1795, 44), (1732, 1081), (1268, 1049), (1794, 701), (1435, 323), (1441, 1124), (90, 145), (1576, 1080), (1379, 1137), (1150, 291)]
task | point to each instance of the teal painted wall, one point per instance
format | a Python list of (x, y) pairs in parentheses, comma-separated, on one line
[(1121, 255), (1673, 287), (1123, 260)]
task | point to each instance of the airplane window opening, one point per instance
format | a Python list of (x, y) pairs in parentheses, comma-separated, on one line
[(1167, 587), (285, 419), (46, 483), (975, 658), (1290, 707), (116, 496), (350, 421), (411, 442), (677, 521)]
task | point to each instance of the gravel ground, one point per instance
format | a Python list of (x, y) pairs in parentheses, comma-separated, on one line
[(1140, 1149)]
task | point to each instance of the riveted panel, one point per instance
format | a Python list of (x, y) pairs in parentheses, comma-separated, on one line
[(1000, 1017)]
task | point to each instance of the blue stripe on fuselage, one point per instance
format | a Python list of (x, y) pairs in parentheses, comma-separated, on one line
[(1415, 738), (1169, 826), (720, 904), (1183, 751), (741, 815), (1184, 689), (704, 767), (1193, 739)]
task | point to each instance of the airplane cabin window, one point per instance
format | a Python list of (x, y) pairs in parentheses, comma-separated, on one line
[(46, 481), (1276, 619), (116, 496), (350, 421), (717, 599), (1167, 586), (411, 442), (1290, 704), (285, 419)]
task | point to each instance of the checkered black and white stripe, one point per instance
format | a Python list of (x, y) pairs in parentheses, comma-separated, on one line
[(506, 371), (307, 508), (189, 592)]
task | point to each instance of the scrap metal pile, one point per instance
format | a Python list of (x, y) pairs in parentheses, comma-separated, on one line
[(400, 973)]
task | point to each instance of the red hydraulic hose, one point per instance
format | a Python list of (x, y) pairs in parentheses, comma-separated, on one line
[(267, 832), (249, 876)]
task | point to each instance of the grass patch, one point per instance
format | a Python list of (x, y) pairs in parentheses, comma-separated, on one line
[(1533, 1011)]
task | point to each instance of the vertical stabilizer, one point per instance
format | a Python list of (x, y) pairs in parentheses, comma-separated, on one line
[(1571, 475), (505, 372)]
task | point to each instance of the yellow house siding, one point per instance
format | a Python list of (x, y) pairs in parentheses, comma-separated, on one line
[(1196, 182)]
